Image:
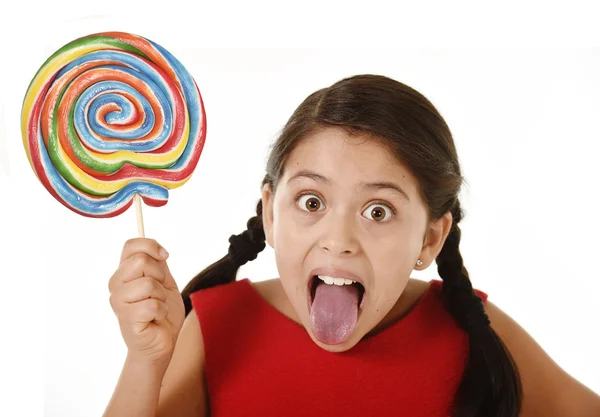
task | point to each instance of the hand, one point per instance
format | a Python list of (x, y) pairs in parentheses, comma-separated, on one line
[(146, 301)]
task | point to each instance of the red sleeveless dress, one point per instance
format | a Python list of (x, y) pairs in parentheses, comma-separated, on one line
[(261, 363)]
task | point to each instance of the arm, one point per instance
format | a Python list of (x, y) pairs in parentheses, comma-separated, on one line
[(548, 390), (136, 393), (183, 391), (174, 389)]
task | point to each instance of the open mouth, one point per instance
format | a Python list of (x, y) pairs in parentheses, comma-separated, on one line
[(335, 305), (315, 281)]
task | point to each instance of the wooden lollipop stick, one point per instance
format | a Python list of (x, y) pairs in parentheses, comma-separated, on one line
[(140, 218)]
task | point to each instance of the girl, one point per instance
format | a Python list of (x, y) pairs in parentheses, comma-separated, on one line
[(361, 188)]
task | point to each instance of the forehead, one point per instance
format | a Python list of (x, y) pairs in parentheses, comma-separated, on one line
[(342, 157)]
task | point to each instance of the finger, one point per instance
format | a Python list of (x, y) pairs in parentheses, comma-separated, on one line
[(136, 266), (141, 289), (143, 312), (148, 246), (142, 265)]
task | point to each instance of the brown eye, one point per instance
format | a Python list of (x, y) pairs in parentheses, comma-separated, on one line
[(310, 202), (378, 213), (313, 204)]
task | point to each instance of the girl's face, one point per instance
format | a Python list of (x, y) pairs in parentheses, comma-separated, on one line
[(346, 208)]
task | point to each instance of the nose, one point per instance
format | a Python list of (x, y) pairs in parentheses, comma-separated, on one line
[(338, 236)]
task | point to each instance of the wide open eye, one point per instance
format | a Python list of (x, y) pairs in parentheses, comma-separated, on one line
[(310, 202), (378, 212)]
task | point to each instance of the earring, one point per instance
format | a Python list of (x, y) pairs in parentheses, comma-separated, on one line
[(419, 263)]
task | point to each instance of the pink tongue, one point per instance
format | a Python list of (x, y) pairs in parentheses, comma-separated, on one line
[(334, 312)]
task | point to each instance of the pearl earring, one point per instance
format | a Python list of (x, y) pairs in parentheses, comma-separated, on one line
[(419, 263)]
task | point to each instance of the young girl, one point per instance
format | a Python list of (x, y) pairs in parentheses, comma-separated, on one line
[(361, 188)]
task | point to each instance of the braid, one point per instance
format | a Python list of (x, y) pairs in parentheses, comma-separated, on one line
[(462, 301), (247, 245), (490, 386), (242, 248)]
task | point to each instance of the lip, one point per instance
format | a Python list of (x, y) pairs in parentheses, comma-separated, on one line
[(337, 273)]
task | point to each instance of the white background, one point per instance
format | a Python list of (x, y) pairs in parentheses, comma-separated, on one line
[(519, 88)]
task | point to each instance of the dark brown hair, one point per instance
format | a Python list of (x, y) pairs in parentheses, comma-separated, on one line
[(416, 133)]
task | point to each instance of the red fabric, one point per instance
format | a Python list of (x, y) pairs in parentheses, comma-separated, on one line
[(261, 363)]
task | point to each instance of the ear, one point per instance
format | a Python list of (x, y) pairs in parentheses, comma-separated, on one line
[(267, 213), (435, 237)]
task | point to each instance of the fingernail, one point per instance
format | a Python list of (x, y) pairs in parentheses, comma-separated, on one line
[(163, 253)]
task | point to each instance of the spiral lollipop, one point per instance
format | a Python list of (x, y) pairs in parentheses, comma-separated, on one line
[(109, 117)]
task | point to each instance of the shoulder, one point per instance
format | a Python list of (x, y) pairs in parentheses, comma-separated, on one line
[(560, 394), (436, 284), (219, 302)]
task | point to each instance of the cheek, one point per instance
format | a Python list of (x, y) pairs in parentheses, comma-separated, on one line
[(288, 243), (283, 230), (392, 255), (392, 267), (388, 265), (290, 226)]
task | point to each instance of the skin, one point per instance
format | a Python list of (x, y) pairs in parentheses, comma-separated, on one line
[(341, 235), (328, 220)]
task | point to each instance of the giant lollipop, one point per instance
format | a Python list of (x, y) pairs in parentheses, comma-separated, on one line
[(110, 117)]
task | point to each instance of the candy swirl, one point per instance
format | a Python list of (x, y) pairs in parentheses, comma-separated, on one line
[(109, 116)]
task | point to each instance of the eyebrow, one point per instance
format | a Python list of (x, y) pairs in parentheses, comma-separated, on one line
[(365, 185)]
